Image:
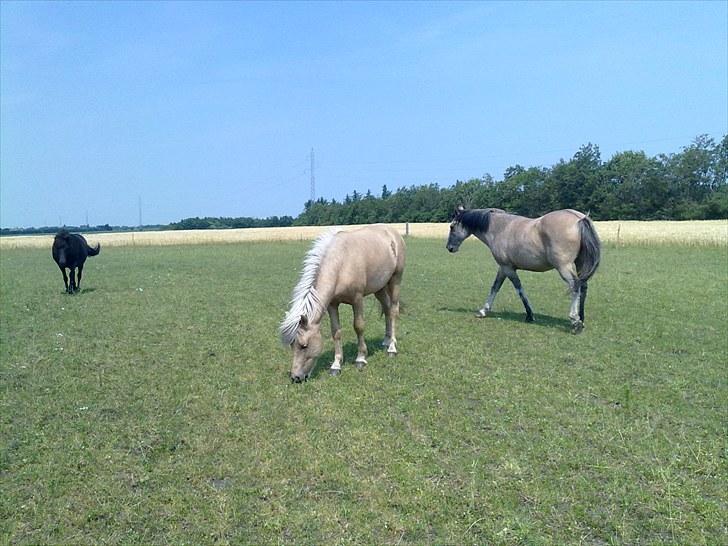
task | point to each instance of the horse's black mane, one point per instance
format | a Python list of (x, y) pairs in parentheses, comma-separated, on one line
[(477, 219)]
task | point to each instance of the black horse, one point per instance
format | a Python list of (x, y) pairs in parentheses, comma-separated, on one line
[(70, 250)]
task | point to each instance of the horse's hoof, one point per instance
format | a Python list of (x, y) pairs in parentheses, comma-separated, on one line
[(481, 314), (577, 327), (391, 354), (360, 364), (529, 318), (335, 371)]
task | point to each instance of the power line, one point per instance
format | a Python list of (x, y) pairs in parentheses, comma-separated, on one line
[(313, 179)]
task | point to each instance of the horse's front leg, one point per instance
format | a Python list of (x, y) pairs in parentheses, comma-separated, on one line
[(65, 277), (499, 278), (72, 285), (335, 368), (513, 276), (361, 355)]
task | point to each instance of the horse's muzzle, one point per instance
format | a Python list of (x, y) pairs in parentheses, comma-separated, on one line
[(298, 378)]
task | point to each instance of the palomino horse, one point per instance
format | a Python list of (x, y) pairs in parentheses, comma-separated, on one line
[(564, 240), (343, 267)]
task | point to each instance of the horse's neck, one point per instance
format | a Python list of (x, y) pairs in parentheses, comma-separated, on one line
[(325, 286), (485, 236), (496, 225)]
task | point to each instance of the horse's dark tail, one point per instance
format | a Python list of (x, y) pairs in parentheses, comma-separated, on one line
[(93, 251), (590, 250)]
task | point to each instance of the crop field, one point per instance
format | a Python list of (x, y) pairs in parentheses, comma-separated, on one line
[(154, 407), (696, 233)]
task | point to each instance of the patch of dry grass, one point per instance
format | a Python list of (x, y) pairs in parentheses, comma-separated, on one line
[(702, 232), (706, 232)]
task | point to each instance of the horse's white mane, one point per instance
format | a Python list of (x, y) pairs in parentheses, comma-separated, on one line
[(305, 300)]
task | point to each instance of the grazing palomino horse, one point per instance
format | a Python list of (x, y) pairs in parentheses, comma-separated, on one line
[(564, 240), (70, 250), (343, 267)]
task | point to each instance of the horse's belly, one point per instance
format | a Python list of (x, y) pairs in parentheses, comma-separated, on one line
[(350, 291), (529, 262)]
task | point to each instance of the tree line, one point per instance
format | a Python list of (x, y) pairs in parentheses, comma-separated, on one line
[(228, 223), (689, 185)]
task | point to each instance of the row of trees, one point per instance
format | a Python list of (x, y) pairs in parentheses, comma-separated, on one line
[(224, 223), (692, 184), (47, 230), (689, 185)]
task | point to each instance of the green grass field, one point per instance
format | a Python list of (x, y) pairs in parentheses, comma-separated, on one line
[(155, 407)]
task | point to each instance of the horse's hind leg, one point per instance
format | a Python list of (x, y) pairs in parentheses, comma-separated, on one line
[(336, 334), (361, 356), (582, 300), (393, 289), (500, 276), (385, 302), (513, 276), (576, 311), (80, 271)]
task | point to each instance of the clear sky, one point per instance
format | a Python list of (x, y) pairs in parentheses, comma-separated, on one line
[(212, 109)]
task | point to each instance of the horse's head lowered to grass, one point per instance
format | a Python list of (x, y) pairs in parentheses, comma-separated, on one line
[(307, 347)]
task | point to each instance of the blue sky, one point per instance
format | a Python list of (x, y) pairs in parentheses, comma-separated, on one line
[(211, 109)]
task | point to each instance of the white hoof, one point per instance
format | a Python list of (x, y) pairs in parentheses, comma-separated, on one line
[(481, 313)]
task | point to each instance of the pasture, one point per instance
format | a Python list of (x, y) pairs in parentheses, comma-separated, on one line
[(155, 406)]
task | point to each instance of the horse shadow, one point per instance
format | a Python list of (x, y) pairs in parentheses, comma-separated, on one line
[(81, 292), (374, 347), (546, 321)]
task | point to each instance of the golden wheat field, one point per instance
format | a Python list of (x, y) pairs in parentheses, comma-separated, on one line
[(621, 232)]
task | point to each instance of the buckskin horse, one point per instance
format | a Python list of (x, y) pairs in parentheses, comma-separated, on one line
[(564, 240)]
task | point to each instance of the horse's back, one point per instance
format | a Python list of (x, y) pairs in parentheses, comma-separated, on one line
[(372, 242), (368, 257), (69, 249), (561, 222)]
